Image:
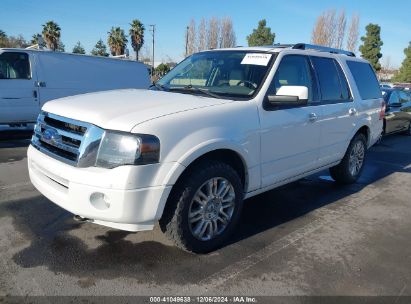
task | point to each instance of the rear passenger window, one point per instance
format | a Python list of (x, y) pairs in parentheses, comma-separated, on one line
[(329, 79), (365, 79), (14, 65)]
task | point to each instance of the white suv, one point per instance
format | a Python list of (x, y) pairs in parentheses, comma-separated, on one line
[(222, 126)]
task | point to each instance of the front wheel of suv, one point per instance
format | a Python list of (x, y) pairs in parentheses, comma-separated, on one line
[(204, 207), (351, 166)]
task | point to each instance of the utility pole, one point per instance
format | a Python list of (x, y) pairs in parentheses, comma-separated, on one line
[(152, 30), (187, 41)]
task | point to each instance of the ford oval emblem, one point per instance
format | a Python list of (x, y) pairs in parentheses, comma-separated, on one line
[(51, 135)]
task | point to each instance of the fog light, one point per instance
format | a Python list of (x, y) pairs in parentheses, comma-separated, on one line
[(99, 201)]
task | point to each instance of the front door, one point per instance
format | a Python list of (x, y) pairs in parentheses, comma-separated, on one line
[(290, 137), (19, 101)]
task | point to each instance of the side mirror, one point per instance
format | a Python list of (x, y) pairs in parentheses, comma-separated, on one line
[(289, 96)]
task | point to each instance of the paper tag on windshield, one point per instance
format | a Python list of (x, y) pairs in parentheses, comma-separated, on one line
[(256, 59)]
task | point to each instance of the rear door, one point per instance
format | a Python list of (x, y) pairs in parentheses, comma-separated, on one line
[(338, 109), (18, 93)]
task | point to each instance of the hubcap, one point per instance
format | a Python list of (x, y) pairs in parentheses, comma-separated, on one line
[(211, 208), (356, 158)]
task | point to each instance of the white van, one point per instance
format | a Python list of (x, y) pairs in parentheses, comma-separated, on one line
[(29, 78)]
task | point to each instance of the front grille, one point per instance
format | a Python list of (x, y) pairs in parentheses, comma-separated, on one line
[(71, 141)]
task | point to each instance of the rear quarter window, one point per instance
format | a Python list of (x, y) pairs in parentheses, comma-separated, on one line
[(365, 79)]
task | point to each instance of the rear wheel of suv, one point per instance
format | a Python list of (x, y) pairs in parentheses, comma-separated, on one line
[(408, 131), (351, 166), (204, 207)]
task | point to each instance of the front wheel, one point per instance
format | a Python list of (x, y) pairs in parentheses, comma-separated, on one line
[(351, 166), (203, 207)]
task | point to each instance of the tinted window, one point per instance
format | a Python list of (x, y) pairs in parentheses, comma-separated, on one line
[(293, 71), (330, 84), (404, 97), (14, 66), (345, 89), (394, 98), (365, 79)]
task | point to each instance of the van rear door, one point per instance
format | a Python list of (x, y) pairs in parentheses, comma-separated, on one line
[(18, 94)]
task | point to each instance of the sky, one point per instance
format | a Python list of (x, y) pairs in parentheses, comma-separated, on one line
[(291, 20)]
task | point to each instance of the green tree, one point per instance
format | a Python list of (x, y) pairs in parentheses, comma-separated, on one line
[(136, 35), (162, 69), (261, 36), (35, 40), (78, 49), (371, 47), (100, 49), (51, 34), (404, 73), (117, 41), (3, 39), (60, 46)]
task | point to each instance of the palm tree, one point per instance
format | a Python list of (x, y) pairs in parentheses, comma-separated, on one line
[(117, 41), (137, 35), (51, 34)]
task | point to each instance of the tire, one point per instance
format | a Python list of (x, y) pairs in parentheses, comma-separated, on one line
[(408, 131), (185, 200), (343, 173)]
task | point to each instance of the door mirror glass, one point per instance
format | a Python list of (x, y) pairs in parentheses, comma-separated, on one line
[(289, 95)]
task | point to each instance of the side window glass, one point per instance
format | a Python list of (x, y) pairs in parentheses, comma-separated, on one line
[(294, 70), (14, 65), (403, 96), (329, 79), (365, 79), (394, 98), (345, 89)]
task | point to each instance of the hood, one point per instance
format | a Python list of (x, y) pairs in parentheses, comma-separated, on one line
[(123, 109)]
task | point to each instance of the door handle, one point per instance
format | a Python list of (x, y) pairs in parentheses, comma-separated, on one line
[(352, 111), (40, 84), (35, 93), (312, 117)]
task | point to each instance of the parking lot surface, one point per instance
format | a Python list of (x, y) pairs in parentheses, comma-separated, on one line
[(311, 237)]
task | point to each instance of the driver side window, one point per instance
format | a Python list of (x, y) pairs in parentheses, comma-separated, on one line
[(294, 70)]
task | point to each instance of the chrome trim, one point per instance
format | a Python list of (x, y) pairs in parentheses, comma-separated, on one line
[(49, 140)]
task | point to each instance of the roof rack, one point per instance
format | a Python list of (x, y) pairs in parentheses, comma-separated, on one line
[(320, 48)]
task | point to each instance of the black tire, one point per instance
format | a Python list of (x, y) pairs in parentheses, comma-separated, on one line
[(408, 131), (175, 222), (341, 173)]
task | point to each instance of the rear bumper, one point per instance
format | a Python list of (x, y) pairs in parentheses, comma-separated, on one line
[(125, 209)]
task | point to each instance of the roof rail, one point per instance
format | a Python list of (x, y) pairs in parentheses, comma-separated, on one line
[(320, 48)]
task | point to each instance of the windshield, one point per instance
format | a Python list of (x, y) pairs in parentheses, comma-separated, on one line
[(225, 74)]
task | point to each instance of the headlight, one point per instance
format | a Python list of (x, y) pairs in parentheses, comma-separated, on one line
[(118, 148)]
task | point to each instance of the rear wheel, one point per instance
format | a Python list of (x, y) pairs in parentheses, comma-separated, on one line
[(204, 207), (408, 131), (351, 166)]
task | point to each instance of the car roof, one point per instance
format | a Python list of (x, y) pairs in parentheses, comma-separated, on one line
[(307, 49)]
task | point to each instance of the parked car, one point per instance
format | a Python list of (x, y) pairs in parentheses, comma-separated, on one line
[(398, 111), (222, 126), (29, 78)]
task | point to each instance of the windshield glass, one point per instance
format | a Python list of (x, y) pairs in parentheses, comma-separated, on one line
[(225, 74)]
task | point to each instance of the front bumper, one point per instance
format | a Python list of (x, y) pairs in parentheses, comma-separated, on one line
[(129, 198)]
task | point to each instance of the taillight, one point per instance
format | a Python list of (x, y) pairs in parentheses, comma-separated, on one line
[(382, 112)]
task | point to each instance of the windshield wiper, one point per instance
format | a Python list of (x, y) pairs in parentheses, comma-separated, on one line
[(195, 89)]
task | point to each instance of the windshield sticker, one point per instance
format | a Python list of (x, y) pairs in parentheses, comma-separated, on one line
[(256, 59)]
